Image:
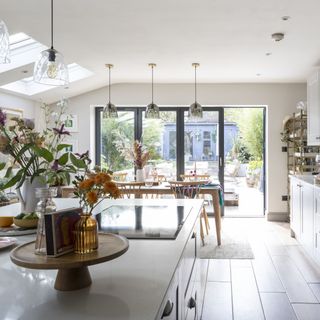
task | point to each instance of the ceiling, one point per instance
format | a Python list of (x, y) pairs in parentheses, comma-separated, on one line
[(229, 38)]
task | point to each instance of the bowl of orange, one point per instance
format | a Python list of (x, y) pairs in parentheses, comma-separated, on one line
[(6, 221)]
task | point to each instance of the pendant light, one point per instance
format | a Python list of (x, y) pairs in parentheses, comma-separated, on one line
[(110, 110), (195, 110), (50, 68), (4, 43), (152, 111)]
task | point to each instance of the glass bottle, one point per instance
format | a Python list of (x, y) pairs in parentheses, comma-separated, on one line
[(45, 205)]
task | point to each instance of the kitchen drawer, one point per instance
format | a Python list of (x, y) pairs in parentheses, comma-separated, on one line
[(191, 300), (189, 257), (169, 309)]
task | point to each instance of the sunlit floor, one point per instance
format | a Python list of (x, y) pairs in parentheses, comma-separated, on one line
[(250, 199), (280, 283)]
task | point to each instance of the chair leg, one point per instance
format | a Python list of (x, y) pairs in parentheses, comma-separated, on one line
[(201, 232), (205, 219)]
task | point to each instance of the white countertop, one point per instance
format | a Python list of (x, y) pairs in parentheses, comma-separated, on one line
[(307, 179), (130, 287)]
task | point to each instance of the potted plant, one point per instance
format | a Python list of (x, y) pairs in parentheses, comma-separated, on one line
[(38, 157)]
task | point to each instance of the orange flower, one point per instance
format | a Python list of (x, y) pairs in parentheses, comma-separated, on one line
[(111, 187), (101, 178), (86, 184), (92, 197)]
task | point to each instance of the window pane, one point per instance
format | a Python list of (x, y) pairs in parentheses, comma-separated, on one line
[(117, 136), (201, 143), (159, 137)]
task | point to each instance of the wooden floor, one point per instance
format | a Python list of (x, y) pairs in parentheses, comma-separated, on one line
[(280, 283)]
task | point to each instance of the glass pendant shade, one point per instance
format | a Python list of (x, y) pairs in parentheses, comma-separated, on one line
[(50, 69), (110, 111), (152, 111), (4, 43), (195, 110)]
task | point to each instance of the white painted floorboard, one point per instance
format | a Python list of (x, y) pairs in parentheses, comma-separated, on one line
[(219, 270), (280, 283), (245, 296), (296, 287), (218, 303), (307, 311), (277, 306)]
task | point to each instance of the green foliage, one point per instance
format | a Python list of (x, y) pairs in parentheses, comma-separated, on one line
[(250, 122), (254, 165)]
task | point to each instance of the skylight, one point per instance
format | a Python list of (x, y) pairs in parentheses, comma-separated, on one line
[(24, 50), (28, 87)]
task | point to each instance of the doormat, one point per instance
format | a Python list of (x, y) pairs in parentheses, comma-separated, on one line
[(233, 246)]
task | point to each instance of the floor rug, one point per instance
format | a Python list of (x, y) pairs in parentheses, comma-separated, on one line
[(234, 246)]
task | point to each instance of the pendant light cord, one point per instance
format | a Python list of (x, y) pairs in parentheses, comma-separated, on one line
[(195, 83), (109, 84), (152, 84), (51, 24)]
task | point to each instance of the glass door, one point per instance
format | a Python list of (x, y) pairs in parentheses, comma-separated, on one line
[(203, 145), (244, 171)]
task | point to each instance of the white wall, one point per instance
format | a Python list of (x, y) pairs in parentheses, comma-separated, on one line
[(280, 100), (14, 102)]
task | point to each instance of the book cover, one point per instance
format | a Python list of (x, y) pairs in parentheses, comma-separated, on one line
[(59, 226)]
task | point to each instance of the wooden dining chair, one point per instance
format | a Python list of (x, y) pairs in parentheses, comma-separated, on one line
[(130, 189), (119, 176), (191, 190), (191, 177)]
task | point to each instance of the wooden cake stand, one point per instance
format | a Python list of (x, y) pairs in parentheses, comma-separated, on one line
[(73, 273)]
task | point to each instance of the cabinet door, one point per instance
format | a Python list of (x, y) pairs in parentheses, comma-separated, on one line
[(307, 223), (295, 219), (313, 106), (317, 224), (170, 306)]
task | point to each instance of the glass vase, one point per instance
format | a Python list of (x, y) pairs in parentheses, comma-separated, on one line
[(45, 205), (86, 234)]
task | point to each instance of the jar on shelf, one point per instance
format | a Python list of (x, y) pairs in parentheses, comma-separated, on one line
[(44, 205)]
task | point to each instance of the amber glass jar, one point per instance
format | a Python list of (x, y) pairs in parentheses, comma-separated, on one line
[(86, 234)]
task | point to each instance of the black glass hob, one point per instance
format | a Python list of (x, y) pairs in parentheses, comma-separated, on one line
[(143, 222)]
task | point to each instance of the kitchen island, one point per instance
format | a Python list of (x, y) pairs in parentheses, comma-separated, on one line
[(153, 279)]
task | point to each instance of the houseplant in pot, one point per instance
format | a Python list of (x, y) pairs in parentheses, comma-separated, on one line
[(36, 158)]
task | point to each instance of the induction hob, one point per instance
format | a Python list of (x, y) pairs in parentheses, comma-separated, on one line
[(143, 222)]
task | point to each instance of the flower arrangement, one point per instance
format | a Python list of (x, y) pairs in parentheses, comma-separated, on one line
[(139, 155), (36, 154), (92, 188)]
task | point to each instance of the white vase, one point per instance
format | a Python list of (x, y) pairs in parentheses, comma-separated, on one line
[(140, 175), (27, 194)]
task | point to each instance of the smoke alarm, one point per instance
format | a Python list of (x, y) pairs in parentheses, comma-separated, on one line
[(277, 36)]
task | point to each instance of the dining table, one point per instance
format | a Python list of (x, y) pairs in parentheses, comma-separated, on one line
[(138, 189), (160, 189)]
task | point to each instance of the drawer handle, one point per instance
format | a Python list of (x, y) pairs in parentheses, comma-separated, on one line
[(317, 138), (192, 303), (167, 309)]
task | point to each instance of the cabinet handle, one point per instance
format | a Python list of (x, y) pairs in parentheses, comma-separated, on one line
[(194, 234), (317, 138), (167, 309), (192, 303)]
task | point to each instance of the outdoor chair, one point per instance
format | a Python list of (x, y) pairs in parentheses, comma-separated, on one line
[(191, 190)]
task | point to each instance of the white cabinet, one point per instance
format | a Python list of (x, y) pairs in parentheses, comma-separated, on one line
[(307, 218), (295, 218), (302, 213), (313, 92), (317, 224)]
